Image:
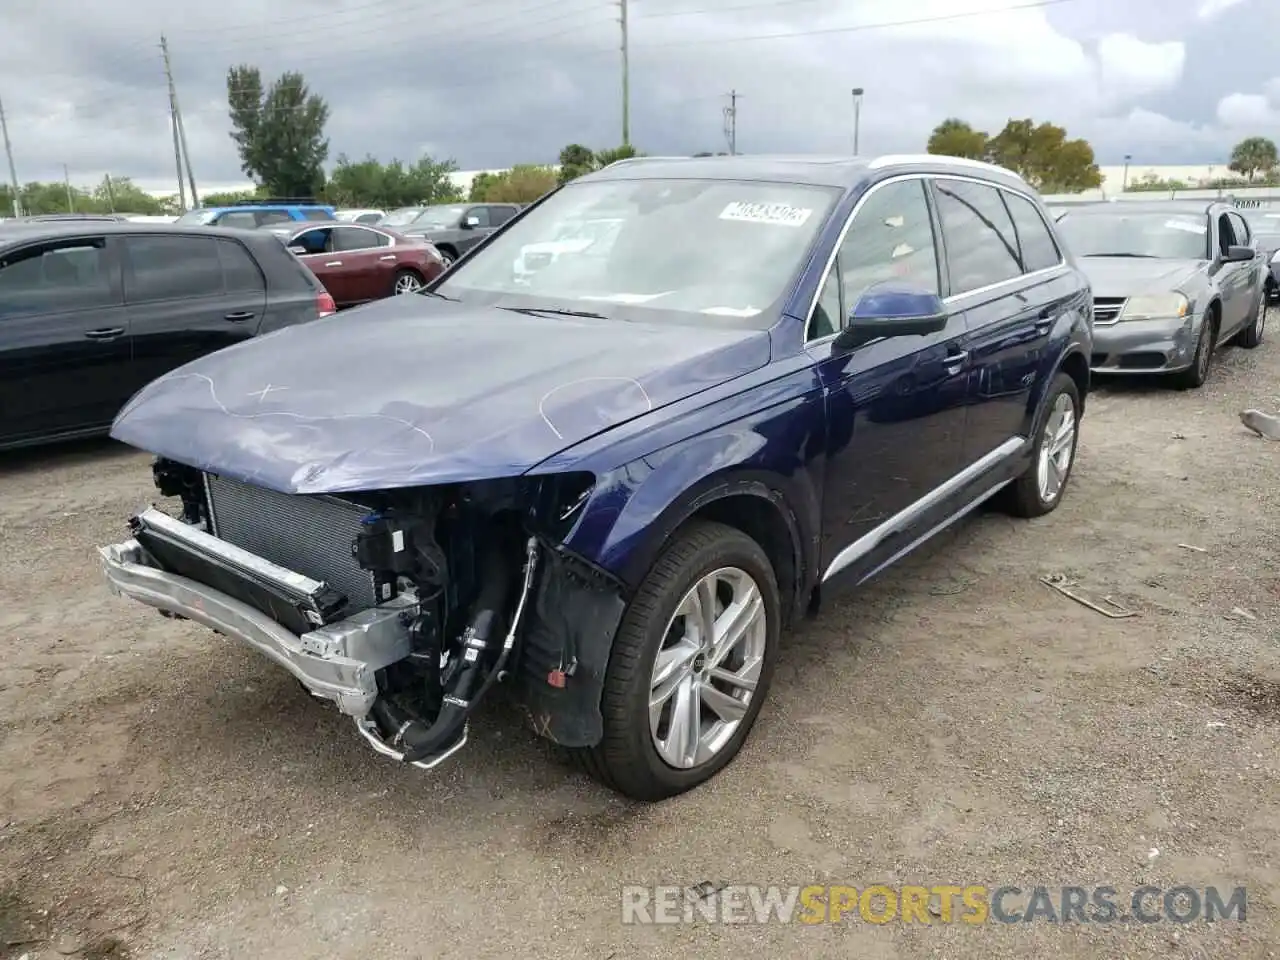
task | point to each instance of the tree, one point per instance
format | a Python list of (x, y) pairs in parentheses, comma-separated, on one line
[(1044, 157), (480, 185), (122, 195), (369, 183), (523, 183), (1040, 153), (1254, 155), (955, 138), (577, 160), (279, 132), (229, 199)]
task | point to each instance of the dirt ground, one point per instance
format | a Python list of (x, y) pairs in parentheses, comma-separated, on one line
[(165, 793)]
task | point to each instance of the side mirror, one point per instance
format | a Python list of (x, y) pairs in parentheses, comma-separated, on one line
[(470, 223), (892, 310), (1238, 254)]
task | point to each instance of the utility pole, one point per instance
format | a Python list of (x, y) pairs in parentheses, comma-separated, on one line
[(857, 116), (111, 194), (626, 77), (66, 178), (731, 122), (1124, 184), (13, 172), (175, 119)]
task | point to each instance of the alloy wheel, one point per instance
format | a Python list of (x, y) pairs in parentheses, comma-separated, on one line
[(706, 671), (1057, 448), (408, 283)]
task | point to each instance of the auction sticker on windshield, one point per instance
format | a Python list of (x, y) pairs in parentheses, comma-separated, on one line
[(778, 214)]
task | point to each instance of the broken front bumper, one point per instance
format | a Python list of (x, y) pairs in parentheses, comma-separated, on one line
[(336, 661)]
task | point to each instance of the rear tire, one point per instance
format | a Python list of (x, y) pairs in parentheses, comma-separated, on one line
[(704, 561), (407, 281), (448, 255), (1040, 488), (1195, 375)]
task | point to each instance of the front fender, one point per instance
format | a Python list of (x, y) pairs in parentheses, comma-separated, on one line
[(772, 455)]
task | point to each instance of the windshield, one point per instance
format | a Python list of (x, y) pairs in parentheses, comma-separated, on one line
[(439, 217), (196, 217), (1117, 233), (673, 250), (398, 218)]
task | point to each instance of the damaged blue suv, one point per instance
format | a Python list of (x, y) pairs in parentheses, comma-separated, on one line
[(608, 483)]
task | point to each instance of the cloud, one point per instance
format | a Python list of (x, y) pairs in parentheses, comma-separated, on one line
[(1253, 111), (1211, 9), (514, 80)]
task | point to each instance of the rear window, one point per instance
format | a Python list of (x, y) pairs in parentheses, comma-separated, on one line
[(197, 218)]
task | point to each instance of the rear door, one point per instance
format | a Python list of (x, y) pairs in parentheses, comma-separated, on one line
[(468, 237), (1007, 278), (64, 338), (178, 302)]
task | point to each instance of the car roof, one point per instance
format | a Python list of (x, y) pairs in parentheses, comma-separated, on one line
[(19, 232), (1194, 208), (844, 172)]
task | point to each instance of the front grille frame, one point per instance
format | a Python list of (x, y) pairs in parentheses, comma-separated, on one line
[(1106, 310), (309, 533)]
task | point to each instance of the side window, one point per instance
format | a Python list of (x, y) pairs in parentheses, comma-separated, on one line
[(481, 214), (265, 217), (312, 214), (891, 238), (239, 221), (1240, 227), (369, 218), (1039, 251), (313, 241), (1226, 234), (57, 276), (239, 269), (354, 238), (166, 268), (827, 314), (982, 248), (500, 215)]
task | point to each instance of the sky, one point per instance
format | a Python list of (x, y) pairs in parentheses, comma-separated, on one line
[(492, 83)]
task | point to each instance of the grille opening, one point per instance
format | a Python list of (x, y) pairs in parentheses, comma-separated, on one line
[(1143, 361)]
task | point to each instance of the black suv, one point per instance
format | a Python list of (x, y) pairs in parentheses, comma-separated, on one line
[(92, 311)]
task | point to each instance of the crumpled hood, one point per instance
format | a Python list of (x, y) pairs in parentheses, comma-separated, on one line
[(1131, 276), (413, 390)]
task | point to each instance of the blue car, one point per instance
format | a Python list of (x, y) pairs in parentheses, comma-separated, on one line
[(252, 214), (610, 485)]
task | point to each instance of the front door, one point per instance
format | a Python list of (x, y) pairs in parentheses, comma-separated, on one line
[(64, 339), (1233, 278), (896, 406)]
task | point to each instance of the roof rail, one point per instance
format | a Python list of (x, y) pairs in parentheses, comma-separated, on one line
[(890, 159), (282, 201), (634, 159)]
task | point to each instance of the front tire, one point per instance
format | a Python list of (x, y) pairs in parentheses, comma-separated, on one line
[(1195, 375), (690, 665), (1040, 488), (1251, 336), (407, 281)]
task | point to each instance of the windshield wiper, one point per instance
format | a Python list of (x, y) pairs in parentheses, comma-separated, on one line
[(558, 311), (1140, 256)]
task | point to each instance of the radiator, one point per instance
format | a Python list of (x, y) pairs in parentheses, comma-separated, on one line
[(311, 535)]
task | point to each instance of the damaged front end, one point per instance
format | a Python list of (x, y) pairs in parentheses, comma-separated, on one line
[(404, 608)]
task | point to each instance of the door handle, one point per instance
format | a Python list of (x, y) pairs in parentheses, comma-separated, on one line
[(239, 315), (956, 360), (334, 263), (389, 256), (106, 333)]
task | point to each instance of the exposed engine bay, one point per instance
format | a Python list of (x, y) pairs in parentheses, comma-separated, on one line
[(404, 608)]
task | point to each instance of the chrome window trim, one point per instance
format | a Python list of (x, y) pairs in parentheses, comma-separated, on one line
[(1044, 272)]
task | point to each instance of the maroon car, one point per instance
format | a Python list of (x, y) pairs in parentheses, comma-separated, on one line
[(358, 263)]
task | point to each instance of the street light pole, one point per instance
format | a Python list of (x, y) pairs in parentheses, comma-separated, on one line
[(857, 116), (1124, 184)]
